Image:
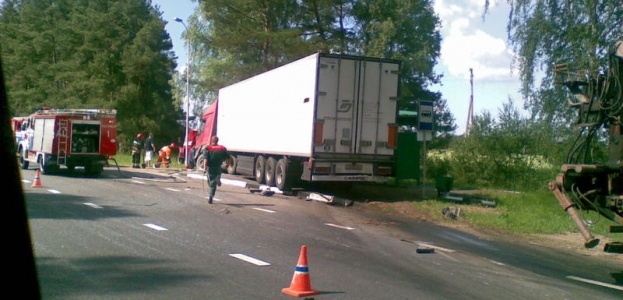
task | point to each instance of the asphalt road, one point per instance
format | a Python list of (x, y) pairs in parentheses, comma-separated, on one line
[(145, 234)]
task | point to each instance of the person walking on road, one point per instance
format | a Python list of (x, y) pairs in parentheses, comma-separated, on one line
[(150, 148), (213, 157), (137, 145)]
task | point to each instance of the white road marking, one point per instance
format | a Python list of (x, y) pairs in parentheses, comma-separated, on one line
[(136, 181), (172, 189), (249, 259), (196, 176), (497, 262), (425, 244), (448, 256), (608, 285), (237, 183), (92, 205), (215, 199), (338, 226), (266, 210), (54, 191), (154, 226), (25, 181)]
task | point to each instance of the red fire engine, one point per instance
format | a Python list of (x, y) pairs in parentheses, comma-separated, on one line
[(68, 137)]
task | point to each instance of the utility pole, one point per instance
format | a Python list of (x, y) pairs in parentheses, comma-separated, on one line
[(186, 142), (470, 111)]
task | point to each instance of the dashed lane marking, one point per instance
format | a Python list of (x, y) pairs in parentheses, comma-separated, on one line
[(338, 226), (172, 189), (136, 181), (92, 205), (496, 262), (249, 259), (54, 191), (154, 226), (265, 210), (425, 244), (608, 285)]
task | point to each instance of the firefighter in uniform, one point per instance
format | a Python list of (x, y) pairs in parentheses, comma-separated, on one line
[(213, 157), (164, 155), (137, 145)]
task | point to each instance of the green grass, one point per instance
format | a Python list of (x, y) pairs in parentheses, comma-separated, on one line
[(528, 212)]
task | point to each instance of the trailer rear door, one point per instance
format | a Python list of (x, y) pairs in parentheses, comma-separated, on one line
[(356, 112)]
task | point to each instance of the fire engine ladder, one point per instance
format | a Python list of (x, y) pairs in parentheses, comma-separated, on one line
[(62, 141)]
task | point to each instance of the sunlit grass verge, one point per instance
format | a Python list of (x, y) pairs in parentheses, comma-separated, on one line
[(527, 213)]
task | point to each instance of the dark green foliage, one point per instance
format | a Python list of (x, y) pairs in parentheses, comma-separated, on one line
[(546, 33), (91, 54)]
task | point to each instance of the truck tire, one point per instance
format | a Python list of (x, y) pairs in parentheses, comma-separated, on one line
[(269, 173), (260, 169), (48, 168), (42, 167), (23, 163), (93, 169), (232, 164), (281, 174), (199, 163)]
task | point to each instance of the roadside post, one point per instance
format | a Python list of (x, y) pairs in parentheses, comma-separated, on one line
[(425, 133)]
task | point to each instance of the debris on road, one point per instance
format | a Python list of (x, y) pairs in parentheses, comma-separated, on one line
[(319, 197), (469, 199), (424, 250), (263, 190), (452, 212), (328, 199)]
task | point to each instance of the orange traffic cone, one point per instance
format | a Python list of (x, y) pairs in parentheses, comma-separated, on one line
[(301, 283), (37, 182)]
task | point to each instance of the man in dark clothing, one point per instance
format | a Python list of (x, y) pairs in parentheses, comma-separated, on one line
[(137, 145), (150, 148), (213, 157)]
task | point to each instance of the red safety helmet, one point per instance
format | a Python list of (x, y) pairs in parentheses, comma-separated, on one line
[(139, 135), (173, 145)]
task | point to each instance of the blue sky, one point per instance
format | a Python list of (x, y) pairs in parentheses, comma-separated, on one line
[(468, 42)]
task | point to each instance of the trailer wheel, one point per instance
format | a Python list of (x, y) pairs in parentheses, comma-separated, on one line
[(281, 174), (260, 169), (232, 164), (269, 174), (23, 163)]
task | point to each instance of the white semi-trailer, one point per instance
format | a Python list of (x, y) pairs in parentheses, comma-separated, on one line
[(322, 118)]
